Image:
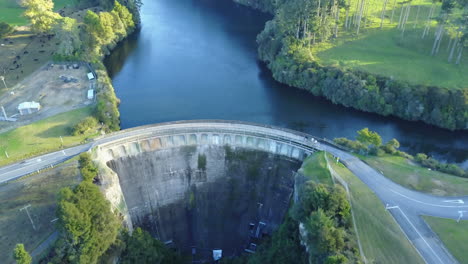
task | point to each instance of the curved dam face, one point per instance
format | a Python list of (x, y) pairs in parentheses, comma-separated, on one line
[(207, 196), (203, 188)]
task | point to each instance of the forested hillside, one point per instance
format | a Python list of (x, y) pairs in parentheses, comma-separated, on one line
[(391, 57)]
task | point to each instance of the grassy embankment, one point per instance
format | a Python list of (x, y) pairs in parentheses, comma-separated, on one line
[(453, 234), (381, 238), (40, 192), (386, 52), (42, 136), (12, 13), (413, 176), (315, 168)]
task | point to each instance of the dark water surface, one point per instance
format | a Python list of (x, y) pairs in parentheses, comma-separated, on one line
[(196, 59)]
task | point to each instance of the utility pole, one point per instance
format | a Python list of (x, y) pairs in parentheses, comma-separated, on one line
[(61, 139), (6, 154), (4, 113), (27, 212), (3, 79)]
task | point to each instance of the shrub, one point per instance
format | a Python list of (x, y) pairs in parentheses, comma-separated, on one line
[(376, 151), (432, 163), (202, 162), (84, 126), (87, 168), (353, 145), (5, 29)]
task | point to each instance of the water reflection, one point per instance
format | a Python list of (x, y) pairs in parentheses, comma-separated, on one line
[(196, 59)]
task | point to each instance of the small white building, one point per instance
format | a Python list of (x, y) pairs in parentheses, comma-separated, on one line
[(217, 254), (27, 108), (91, 76), (90, 94)]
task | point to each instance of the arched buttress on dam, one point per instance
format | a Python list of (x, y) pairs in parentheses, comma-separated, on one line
[(209, 185)]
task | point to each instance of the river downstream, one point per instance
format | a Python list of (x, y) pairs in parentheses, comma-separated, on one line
[(196, 59)]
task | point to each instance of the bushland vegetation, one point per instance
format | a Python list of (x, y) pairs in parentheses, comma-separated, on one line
[(292, 42), (90, 230), (370, 143), (86, 223), (317, 228)]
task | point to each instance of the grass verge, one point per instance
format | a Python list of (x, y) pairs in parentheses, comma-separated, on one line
[(413, 176), (381, 238), (453, 234), (40, 193), (315, 167), (42, 136)]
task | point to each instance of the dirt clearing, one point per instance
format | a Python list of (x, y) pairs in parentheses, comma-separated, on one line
[(57, 87)]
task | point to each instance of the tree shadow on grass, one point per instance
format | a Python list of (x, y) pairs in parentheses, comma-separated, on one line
[(56, 131)]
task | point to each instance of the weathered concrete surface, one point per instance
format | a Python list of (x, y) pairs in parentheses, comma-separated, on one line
[(204, 196)]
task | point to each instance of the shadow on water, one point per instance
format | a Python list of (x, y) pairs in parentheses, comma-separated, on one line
[(197, 59)]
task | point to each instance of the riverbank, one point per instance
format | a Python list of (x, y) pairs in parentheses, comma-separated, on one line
[(292, 63)]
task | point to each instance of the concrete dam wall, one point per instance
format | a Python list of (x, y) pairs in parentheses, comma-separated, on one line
[(208, 190)]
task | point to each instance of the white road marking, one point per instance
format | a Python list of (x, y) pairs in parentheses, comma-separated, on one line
[(461, 215), (435, 205), (419, 234), (459, 201)]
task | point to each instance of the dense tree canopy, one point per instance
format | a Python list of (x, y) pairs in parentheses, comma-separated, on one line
[(20, 255), (325, 213), (141, 247), (70, 45), (369, 137), (87, 225), (41, 14), (299, 24)]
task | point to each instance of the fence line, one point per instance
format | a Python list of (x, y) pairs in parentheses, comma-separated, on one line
[(336, 176)]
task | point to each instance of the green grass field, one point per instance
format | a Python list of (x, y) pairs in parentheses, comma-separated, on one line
[(42, 136), (381, 238), (413, 176), (40, 192), (11, 12), (453, 234), (315, 168), (386, 52)]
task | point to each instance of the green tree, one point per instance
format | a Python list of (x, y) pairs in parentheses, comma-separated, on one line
[(369, 137), (84, 126), (141, 247), (41, 15), (87, 225), (336, 259), (322, 236), (21, 255), (391, 146), (311, 197), (5, 29), (67, 32)]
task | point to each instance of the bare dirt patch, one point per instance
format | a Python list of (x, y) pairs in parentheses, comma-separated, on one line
[(46, 86)]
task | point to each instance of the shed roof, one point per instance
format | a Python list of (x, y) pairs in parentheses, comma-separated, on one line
[(29, 105)]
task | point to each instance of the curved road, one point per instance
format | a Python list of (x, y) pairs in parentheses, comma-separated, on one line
[(405, 205)]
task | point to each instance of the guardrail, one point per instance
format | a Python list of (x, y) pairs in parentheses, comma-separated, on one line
[(293, 138)]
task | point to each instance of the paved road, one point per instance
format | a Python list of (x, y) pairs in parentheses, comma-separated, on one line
[(405, 205)]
